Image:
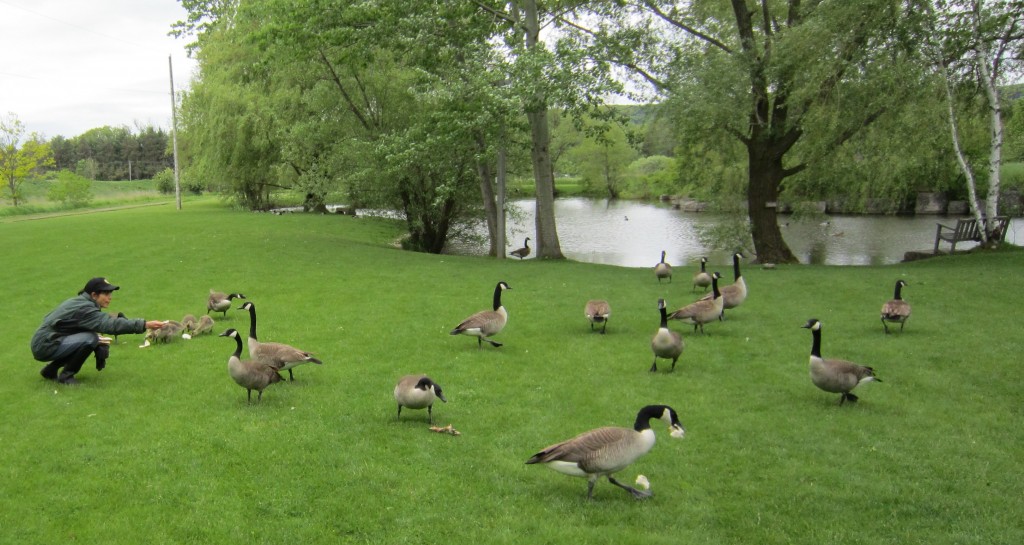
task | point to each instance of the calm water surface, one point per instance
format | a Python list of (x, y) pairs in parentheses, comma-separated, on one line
[(633, 234)]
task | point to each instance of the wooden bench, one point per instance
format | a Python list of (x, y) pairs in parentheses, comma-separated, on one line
[(967, 230)]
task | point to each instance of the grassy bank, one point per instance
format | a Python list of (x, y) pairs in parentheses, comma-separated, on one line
[(104, 194), (161, 447)]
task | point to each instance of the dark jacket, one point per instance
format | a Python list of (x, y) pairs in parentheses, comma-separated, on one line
[(76, 315)]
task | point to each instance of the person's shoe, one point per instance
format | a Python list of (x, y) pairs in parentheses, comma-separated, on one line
[(49, 372), (68, 380)]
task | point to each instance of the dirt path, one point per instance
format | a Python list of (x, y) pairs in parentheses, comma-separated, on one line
[(47, 215)]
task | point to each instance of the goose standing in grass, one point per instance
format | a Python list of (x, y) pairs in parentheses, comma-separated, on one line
[(221, 302), (896, 309), (666, 343), (250, 374), (704, 310), (189, 321), (522, 252), (702, 279), (281, 356), (598, 311), (605, 451), (734, 294), (418, 392), (836, 376), (662, 269), (486, 323)]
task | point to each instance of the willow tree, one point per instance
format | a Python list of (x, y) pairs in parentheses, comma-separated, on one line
[(786, 81)]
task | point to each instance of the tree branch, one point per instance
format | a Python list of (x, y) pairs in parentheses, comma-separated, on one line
[(686, 28), (344, 93)]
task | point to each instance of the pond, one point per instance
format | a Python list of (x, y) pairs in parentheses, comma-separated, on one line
[(633, 234)]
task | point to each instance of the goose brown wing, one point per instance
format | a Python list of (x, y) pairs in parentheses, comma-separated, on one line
[(584, 449), (896, 309)]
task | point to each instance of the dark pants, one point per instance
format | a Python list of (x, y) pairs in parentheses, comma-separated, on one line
[(72, 353)]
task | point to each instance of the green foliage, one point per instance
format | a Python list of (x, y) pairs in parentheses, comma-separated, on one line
[(20, 158), (165, 181), (161, 446), (88, 168), (114, 153), (70, 189), (651, 177), (601, 160)]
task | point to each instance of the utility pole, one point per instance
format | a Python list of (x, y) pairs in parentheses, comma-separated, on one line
[(174, 135)]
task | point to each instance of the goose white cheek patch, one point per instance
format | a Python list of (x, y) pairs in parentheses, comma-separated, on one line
[(678, 433)]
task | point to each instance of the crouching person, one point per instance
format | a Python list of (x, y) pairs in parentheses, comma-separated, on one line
[(70, 333)]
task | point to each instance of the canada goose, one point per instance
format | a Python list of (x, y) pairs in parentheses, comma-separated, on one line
[(837, 376), (605, 451), (704, 310), (522, 252), (418, 392), (662, 269), (280, 356), (665, 343), (250, 374), (598, 311), (896, 309), (734, 294), (220, 302), (189, 321), (205, 325), (486, 323), (702, 278)]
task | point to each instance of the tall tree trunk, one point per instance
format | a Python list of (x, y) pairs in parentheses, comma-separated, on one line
[(483, 168), (995, 157), (764, 179), (540, 152)]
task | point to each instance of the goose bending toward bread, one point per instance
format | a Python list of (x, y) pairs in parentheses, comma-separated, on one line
[(832, 375), (522, 252), (486, 323), (204, 325), (666, 343), (896, 309), (605, 451), (221, 302), (702, 278), (281, 356), (734, 294), (418, 392), (598, 311), (662, 269), (250, 374), (703, 311)]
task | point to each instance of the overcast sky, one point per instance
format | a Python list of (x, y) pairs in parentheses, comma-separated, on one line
[(67, 66)]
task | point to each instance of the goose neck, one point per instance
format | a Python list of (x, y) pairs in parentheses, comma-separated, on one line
[(816, 342), (252, 322)]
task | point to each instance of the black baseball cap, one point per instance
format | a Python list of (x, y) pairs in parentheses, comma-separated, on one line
[(97, 285)]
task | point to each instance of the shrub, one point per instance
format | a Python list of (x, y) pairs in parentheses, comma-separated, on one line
[(165, 181), (70, 189)]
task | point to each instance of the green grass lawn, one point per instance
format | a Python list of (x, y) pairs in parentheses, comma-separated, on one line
[(161, 447)]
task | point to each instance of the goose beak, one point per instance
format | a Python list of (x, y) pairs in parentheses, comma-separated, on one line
[(677, 431), (440, 395)]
